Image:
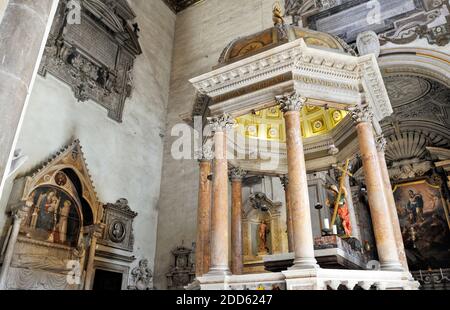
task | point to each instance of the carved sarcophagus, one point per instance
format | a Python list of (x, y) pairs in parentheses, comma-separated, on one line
[(91, 47)]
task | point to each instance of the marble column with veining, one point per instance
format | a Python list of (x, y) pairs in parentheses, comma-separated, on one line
[(303, 242), (290, 233), (202, 254), (18, 214), (220, 214), (381, 146), (379, 210), (23, 29), (236, 176)]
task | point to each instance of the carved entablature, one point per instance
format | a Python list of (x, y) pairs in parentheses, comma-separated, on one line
[(325, 77), (94, 55), (118, 218)]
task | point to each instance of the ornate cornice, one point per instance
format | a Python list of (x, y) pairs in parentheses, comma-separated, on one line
[(221, 123), (291, 102), (361, 114)]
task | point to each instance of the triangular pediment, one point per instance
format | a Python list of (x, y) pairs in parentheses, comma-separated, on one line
[(70, 157)]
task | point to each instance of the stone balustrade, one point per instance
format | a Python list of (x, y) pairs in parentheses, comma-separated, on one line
[(314, 279)]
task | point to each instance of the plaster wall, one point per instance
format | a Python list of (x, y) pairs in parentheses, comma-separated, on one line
[(124, 159)]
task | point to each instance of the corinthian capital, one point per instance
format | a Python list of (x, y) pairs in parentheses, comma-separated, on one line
[(221, 123), (361, 114), (291, 102), (237, 173), (381, 143), (206, 152)]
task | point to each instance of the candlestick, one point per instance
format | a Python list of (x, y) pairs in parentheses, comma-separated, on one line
[(326, 223)]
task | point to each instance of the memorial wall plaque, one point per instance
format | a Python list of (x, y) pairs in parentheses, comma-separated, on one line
[(94, 57)]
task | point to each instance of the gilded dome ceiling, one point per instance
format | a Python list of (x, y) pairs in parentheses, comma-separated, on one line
[(265, 40)]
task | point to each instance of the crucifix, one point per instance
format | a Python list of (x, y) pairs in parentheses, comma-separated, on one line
[(345, 173)]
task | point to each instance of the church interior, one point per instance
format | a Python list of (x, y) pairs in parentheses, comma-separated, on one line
[(224, 145)]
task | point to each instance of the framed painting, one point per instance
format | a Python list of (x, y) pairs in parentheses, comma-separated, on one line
[(424, 221), (54, 216)]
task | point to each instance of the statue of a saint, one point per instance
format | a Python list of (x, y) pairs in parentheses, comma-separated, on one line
[(343, 211), (263, 230)]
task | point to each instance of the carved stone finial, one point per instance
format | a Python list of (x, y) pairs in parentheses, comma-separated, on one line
[(284, 181), (381, 143), (237, 173), (362, 114), (221, 123), (291, 102)]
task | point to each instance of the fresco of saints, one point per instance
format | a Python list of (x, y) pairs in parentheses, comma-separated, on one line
[(47, 205), (63, 219)]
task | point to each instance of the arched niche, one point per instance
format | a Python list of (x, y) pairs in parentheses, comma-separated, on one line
[(260, 209)]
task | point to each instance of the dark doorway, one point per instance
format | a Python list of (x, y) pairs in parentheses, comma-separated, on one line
[(107, 281)]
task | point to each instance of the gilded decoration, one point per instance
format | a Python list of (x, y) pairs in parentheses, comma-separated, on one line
[(268, 124)]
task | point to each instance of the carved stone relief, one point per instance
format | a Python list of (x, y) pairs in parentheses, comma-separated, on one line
[(182, 273), (118, 218), (95, 57), (142, 277)]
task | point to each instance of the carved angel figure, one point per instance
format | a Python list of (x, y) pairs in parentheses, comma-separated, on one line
[(142, 276)]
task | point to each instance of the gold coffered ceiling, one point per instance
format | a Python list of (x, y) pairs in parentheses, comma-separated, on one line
[(269, 125)]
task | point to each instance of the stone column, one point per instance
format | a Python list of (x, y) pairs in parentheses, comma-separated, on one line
[(298, 185), (19, 213), (23, 30), (381, 146), (236, 176), (219, 219), (290, 232), (96, 233), (202, 255), (384, 234)]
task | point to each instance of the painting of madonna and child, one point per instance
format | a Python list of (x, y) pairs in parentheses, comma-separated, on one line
[(53, 216), (424, 223)]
